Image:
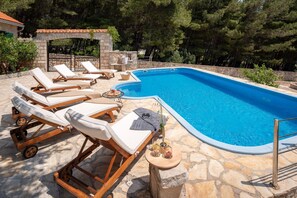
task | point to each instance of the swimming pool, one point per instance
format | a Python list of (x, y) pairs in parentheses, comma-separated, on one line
[(220, 111)]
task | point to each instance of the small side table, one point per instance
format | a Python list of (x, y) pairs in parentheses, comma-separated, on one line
[(167, 182), (114, 94)]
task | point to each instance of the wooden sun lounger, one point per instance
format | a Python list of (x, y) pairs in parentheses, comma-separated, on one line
[(66, 74), (113, 138), (46, 85), (51, 102), (39, 116), (91, 69)]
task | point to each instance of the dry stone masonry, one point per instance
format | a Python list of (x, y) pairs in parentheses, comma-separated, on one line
[(41, 59), (45, 35)]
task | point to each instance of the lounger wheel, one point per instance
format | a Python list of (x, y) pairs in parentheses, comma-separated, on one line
[(15, 111), (30, 151), (21, 121), (19, 134), (66, 173)]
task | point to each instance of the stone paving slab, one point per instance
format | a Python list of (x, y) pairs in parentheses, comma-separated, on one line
[(212, 172)]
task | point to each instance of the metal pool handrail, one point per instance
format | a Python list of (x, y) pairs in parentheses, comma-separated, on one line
[(275, 149)]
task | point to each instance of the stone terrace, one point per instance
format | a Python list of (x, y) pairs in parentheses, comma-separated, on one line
[(212, 172)]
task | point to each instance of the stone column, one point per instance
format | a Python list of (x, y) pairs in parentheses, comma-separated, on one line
[(105, 48), (72, 63), (41, 58), (168, 183)]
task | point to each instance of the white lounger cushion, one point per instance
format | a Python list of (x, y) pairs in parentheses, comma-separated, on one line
[(57, 100), (85, 108), (127, 139), (22, 90), (45, 81), (47, 101), (67, 73), (58, 117), (64, 71), (91, 68), (29, 109), (94, 128)]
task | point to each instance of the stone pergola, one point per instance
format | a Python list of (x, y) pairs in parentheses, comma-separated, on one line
[(45, 35)]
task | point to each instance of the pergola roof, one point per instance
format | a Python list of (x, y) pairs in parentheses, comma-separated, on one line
[(70, 30)]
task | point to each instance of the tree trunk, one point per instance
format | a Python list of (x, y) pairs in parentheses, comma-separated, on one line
[(3, 68)]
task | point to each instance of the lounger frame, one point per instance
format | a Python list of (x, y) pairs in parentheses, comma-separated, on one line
[(22, 142), (19, 117), (63, 70), (62, 104), (62, 78), (64, 175), (106, 75), (41, 88)]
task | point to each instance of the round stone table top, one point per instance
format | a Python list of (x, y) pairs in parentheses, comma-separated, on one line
[(162, 162)]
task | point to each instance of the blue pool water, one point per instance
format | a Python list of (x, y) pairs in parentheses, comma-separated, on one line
[(219, 109)]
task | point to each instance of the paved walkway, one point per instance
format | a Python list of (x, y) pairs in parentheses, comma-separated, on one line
[(212, 172)]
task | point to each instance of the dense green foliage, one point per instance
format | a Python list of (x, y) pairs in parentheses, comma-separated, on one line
[(14, 5), (155, 24), (114, 34), (237, 33), (261, 75), (75, 46), (16, 55)]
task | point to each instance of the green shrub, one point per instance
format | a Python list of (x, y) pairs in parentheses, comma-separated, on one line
[(175, 58), (93, 50), (114, 34), (27, 52), (188, 58), (262, 75), (180, 57), (16, 55)]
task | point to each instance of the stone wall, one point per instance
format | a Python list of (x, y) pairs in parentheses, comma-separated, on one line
[(72, 61), (230, 71), (116, 57), (117, 60), (109, 59)]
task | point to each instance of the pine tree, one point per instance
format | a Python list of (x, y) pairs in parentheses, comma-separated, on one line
[(276, 43), (205, 35), (156, 24)]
